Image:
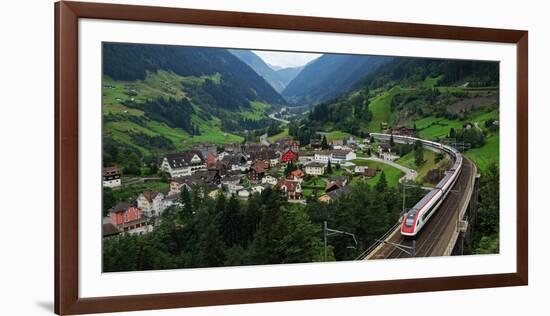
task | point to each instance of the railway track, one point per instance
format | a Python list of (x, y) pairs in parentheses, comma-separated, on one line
[(435, 235)]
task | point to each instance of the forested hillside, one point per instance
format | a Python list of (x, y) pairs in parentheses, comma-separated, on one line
[(129, 62), (288, 74), (329, 76), (160, 98), (412, 71), (265, 71), (414, 92)]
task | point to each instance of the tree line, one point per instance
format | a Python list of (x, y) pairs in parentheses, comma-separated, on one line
[(207, 232), (411, 71), (266, 229), (485, 230)]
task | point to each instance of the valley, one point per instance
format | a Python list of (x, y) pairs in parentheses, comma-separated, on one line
[(241, 157)]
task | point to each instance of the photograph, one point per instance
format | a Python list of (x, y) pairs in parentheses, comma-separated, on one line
[(220, 157)]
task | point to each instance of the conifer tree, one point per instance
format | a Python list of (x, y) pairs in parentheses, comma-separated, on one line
[(382, 183), (324, 143)]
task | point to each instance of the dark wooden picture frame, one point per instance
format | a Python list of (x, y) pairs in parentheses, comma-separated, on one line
[(67, 14)]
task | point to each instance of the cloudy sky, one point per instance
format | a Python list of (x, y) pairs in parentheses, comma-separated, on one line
[(286, 59)]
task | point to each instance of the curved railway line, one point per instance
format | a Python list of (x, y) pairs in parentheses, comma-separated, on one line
[(439, 233)]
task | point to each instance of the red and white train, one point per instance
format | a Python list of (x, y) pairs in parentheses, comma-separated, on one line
[(421, 212)]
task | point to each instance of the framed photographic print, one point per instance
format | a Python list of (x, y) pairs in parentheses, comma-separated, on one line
[(229, 157)]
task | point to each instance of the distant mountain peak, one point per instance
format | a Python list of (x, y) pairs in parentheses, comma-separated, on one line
[(278, 77), (275, 67)]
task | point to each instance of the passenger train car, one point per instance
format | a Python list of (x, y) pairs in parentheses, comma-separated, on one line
[(421, 212)]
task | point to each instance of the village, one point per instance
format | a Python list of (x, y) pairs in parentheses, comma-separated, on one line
[(321, 170)]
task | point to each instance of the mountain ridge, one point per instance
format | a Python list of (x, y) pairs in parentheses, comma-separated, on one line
[(278, 77), (289, 73), (328, 76), (158, 98), (130, 62), (437, 94)]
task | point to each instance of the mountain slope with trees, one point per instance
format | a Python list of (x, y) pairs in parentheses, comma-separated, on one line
[(430, 93), (264, 70), (329, 76), (129, 62), (288, 74), (455, 99), (159, 98)]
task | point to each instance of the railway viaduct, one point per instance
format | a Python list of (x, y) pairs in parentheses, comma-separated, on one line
[(443, 233)]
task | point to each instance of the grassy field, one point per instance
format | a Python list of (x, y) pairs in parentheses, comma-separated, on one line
[(129, 193), (381, 109), (117, 108), (163, 84), (159, 84), (276, 137), (211, 131), (120, 134), (429, 127), (257, 111), (433, 127), (337, 135), (392, 174), (213, 135), (487, 154), (408, 161), (480, 118), (430, 82), (308, 187), (315, 181)]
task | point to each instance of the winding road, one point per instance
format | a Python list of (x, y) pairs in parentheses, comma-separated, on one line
[(410, 174), (272, 116)]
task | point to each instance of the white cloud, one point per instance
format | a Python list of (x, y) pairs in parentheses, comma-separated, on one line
[(286, 59)]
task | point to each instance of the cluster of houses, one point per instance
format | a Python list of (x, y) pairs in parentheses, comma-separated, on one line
[(240, 169), (335, 188), (236, 169), (137, 218)]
